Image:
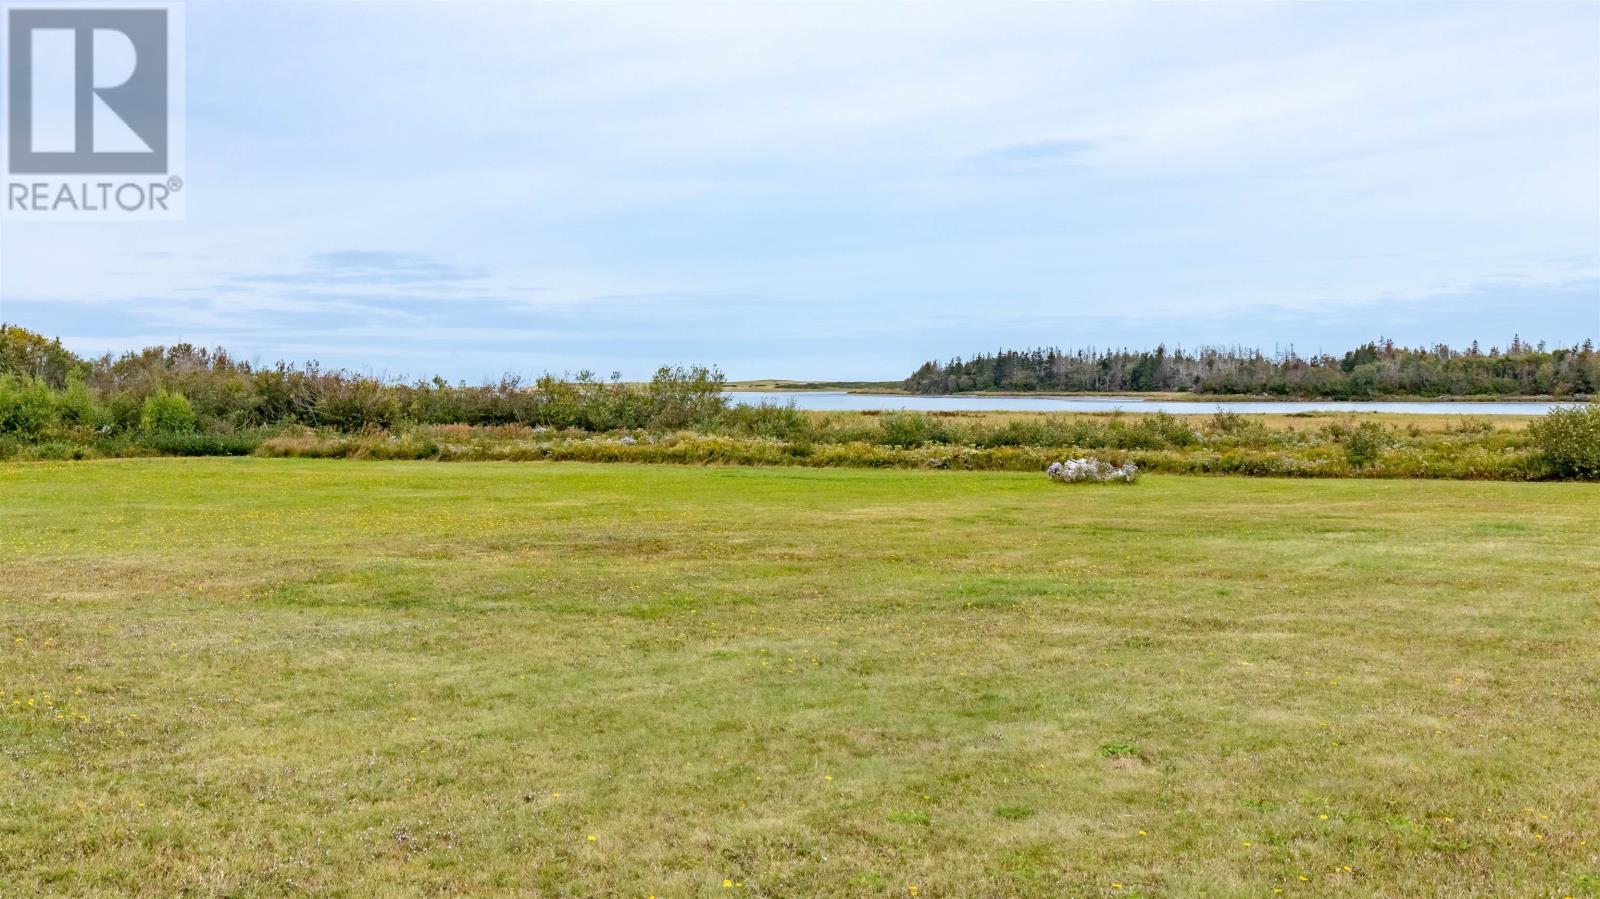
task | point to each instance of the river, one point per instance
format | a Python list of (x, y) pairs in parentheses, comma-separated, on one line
[(839, 401)]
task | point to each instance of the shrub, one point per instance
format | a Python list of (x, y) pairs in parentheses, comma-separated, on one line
[(27, 408), (1363, 445), (1158, 431), (77, 407), (167, 413), (351, 404), (240, 443), (1568, 439), (681, 396), (1014, 433), (912, 429), (783, 422), (1048, 430), (1238, 429), (1168, 430), (58, 451)]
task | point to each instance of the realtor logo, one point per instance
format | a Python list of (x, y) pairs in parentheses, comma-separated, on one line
[(88, 91), (92, 91)]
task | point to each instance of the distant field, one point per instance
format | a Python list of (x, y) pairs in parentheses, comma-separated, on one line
[(254, 677), (786, 384)]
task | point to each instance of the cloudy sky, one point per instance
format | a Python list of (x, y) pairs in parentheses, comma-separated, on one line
[(846, 190)]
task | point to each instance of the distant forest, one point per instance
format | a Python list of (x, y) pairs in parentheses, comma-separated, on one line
[(1374, 369)]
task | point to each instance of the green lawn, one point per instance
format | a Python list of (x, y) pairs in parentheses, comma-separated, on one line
[(283, 677)]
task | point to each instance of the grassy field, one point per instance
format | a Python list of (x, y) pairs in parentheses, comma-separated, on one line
[(287, 677)]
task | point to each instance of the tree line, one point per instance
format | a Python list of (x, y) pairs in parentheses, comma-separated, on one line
[(1379, 368), (44, 387)]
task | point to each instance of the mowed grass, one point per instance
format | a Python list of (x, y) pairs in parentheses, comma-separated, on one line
[(288, 677)]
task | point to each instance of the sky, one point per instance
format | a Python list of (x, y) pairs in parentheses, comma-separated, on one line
[(843, 191)]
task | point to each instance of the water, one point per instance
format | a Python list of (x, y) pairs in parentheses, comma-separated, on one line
[(838, 400)]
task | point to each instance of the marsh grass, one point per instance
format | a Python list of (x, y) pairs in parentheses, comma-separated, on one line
[(1382, 446), (1336, 449)]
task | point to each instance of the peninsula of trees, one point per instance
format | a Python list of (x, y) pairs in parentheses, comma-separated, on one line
[(1377, 369)]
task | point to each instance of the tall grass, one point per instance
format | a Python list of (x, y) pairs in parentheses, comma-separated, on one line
[(886, 444)]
